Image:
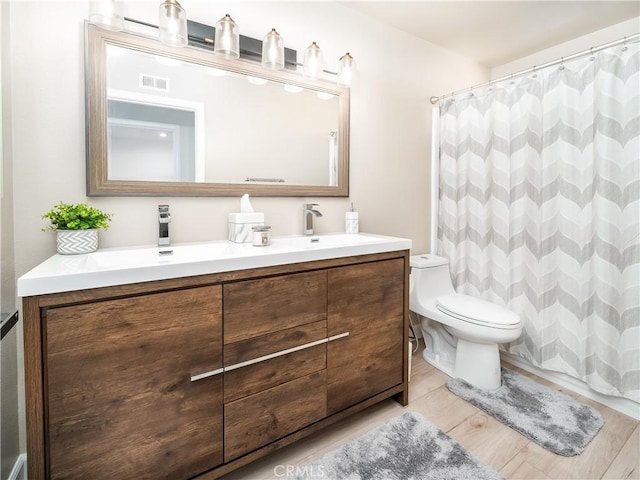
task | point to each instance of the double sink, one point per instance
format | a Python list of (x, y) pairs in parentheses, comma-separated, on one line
[(120, 266)]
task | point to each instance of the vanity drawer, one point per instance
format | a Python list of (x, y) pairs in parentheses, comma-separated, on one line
[(259, 419), (266, 305), (245, 381)]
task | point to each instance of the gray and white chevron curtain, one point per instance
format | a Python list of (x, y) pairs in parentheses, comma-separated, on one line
[(539, 210)]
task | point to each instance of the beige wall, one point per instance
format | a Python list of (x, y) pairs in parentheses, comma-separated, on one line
[(390, 125)]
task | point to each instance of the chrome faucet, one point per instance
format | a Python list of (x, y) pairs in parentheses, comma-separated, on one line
[(308, 212), (164, 217)]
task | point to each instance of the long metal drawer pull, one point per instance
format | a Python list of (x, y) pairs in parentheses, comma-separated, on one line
[(336, 337), (275, 355), (210, 373), (268, 357)]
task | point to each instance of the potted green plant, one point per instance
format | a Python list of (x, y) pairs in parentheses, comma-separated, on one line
[(76, 226)]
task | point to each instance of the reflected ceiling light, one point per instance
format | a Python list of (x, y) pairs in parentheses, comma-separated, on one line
[(273, 51), (257, 80), (173, 24), (227, 39), (324, 96), (107, 14), (292, 88), (312, 64), (346, 70)]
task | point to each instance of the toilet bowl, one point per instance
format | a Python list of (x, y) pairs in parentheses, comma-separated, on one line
[(462, 333)]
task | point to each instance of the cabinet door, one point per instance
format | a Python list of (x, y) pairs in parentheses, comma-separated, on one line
[(121, 402), (367, 301)]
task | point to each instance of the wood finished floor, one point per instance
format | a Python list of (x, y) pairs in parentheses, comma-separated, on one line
[(612, 454)]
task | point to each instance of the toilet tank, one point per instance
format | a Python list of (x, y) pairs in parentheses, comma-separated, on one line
[(430, 276)]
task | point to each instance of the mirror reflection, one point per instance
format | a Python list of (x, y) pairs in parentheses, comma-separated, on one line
[(178, 125)]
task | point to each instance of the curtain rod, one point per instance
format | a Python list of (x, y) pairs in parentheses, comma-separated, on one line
[(591, 50)]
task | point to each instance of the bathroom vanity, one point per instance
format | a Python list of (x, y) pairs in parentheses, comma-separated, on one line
[(194, 364)]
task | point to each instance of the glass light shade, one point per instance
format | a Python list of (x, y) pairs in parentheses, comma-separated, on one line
[(172, 24), (107, 14), (312, 64), (273, 51), (227, 40), (347, 71)]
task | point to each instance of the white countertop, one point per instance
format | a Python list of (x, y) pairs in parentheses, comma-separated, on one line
[(121, 266)]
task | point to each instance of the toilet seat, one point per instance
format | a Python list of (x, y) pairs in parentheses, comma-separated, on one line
[(477, 311)]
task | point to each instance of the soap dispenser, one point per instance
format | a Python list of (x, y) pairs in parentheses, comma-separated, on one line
[(351, 222)]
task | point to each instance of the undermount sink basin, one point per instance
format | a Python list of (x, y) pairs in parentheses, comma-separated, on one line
[(120, 266)]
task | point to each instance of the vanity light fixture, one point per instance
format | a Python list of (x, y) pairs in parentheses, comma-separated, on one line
[(173, 24), (227, 38), (312, 66), (176, 31), (273, 51), (312, 63), (107, 14), (346, 70)]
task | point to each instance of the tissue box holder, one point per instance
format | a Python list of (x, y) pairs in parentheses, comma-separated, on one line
[(240, 225)]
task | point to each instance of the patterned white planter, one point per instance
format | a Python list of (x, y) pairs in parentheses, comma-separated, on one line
[(73, 242)]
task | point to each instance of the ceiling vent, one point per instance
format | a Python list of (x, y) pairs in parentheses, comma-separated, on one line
[(154, 83)]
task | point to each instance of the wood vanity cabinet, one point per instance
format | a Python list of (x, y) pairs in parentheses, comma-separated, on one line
[(194, 377)]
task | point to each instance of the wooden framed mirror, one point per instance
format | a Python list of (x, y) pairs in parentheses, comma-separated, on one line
[(165, 121)]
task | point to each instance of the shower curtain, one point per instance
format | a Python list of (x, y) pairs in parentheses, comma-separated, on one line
[(539, 210)]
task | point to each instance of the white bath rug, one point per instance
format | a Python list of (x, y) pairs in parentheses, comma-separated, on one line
[(553, 420), (406, 448)]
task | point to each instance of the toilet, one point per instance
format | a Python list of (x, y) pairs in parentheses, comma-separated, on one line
[(462, 333)]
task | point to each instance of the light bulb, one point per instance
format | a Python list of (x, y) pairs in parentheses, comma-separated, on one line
[(312, 63), (347, 70), (273, 51), (173, 24), (227, 39)]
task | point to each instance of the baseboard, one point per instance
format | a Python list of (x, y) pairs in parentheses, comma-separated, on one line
[(19, 468), (622, 405)]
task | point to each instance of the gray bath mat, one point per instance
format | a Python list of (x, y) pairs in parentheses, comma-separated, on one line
[(407, 447), (551, 419)]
